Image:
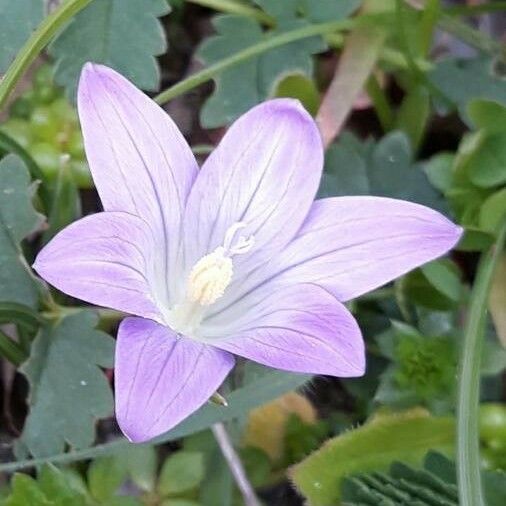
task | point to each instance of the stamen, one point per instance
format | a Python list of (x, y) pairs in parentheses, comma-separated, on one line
[(211, 275)]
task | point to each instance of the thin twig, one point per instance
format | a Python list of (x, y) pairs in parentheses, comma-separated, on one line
[(235, 465)]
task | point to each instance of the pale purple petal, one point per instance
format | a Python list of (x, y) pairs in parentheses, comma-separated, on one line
[(352, 245), (162, 377), (104, 259), (264, 173), (300, 328), (140, 162)]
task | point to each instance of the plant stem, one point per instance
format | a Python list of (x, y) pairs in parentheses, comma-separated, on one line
[(235, 465), (11, 350), (250, 52), (36, 43), (380, 103), (232, 7), (473, 10), (468, 451)]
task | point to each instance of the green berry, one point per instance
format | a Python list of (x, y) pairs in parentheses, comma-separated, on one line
[(47, 157), (493, 422), (45, 124)]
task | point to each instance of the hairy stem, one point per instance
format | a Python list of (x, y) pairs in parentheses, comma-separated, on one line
[(49, 27), (468, 451), (235, 465)]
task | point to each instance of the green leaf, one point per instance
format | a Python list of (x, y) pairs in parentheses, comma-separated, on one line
[(123, 34), (58, 488), (65, 205), (493, 211), (487, 165), (464, 79), (488, 115), (443, 275), (68, 391), (18, 218), (439, 170), (216, 488), (434, 485), (141, 464), (26, 492), (105, 475), (270, 385), (413, 114), (374, 446), (384, 169), (17, 22), (302, 88), (327, 10), (245, 85), (181, 472)]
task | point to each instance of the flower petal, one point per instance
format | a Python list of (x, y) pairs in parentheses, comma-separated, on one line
[(140, 162), (264, 173), (352, 245), (104, 259), (162, 377), (301, 328)]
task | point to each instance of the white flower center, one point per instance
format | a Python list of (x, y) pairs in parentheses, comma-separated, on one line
[(208, 280)]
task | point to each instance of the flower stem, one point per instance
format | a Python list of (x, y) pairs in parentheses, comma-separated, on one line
[(235, 465), (468, 451), (232, 7), (36, 43), (250, 52)]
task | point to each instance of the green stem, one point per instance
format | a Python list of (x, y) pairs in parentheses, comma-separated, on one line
[(49, 27), (468, 451), (250, 52), (232, 7), (11, 350), (380, 102)]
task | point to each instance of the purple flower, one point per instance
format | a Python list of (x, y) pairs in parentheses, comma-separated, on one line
[(236, 258)]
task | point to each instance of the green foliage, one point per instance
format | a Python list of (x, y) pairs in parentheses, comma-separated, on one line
[(248, 83), (422, 369), (385, 168), (52, 488), (476, 192), (18, 219), (123, 34), (181, 472), (434, 484), (68, 391), (462, 80), (405, 436), (45, 124), (17, 21)]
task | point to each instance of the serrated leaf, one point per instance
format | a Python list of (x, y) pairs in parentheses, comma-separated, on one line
[(385, 169), (17, 21), (181, 472), (328, 10), (18, 218), (374, 446), (123, 34), (68, 390), (464, 79), (245, 85)]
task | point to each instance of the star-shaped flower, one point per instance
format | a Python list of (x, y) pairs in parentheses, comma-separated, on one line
[(234, 258)]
